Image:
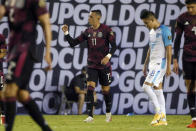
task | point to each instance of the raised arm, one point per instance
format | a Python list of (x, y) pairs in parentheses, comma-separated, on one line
[(72, 42)]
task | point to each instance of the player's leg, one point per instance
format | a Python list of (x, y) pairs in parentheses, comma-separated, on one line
[(105, 76), (190, 77), (2, 109), (31, 106), (154, 71), (152, 96), (10, 93), (24, 97), (161, 99), (81, 98), (91, 83), (190, 85)]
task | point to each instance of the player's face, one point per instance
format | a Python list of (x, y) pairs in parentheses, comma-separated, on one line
[(149, 23), (93, 18), (2, 53), (191, 9)]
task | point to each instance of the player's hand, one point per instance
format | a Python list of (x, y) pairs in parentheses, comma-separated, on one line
[(65, 28), (105, 60), (168, 71), (175, 66), (49, 61), (145, 70)]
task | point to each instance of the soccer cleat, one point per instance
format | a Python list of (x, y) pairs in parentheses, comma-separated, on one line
[(108, 117), (161, 123), (192, 125), (89, 119), (2, 119), (156, 119)]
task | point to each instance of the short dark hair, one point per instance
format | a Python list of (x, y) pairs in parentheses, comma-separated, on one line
[(147, 14), (84, 68), (190, 1), (98, 12)]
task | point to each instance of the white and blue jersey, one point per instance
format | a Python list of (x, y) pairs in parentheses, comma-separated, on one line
[(159, 39)]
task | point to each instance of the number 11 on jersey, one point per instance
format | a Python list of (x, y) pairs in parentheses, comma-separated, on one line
[(94, 42)]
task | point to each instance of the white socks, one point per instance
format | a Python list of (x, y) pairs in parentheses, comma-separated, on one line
[(161, 99), (152, 96)]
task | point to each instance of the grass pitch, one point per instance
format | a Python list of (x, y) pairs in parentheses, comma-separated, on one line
[(119, 123)]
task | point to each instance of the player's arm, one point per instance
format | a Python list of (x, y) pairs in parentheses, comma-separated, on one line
[(2, 11), (45, 23), (112, 42), (177, 41), (72, 42), (168, 57), (79, 91), (167, 39), (146, 62)]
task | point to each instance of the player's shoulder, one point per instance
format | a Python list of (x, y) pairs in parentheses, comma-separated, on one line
[(105, 26), (183, 16), (164, 28)]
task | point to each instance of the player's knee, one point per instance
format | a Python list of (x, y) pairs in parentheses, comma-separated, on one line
[(91, 84), (105, 89), (81, 97), (23, 95), (190, 86), (11, 90)]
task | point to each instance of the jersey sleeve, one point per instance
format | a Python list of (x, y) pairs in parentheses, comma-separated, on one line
[(167, 36), (179, 26), (83, 36), (111, 36), (39, 7)]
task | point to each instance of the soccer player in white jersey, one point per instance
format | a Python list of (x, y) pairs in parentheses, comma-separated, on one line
[(158, 61)]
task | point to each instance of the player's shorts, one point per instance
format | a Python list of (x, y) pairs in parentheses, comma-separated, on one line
[(156, 72), (189, 70), (20, 69), (104, 75)]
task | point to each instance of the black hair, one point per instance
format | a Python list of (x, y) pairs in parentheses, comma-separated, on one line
[(190, 1), (147, 14), (98, 12)]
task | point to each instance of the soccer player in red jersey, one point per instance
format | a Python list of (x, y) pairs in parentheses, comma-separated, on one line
[(98, 37), (3, 50), (186, 23), (23, 17)]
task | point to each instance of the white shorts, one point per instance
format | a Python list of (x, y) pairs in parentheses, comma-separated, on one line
[(156, 72)]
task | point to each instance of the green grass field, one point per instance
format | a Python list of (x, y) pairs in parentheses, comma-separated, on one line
[(119, 123)]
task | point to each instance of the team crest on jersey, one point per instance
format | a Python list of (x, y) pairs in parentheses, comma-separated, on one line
[(89, 35), (100, 34), (169, 37), (42, 3), (194, 29)]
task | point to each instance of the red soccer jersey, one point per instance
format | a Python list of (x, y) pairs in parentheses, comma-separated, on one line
[(98, 41), (22, 18), (187, 23)]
